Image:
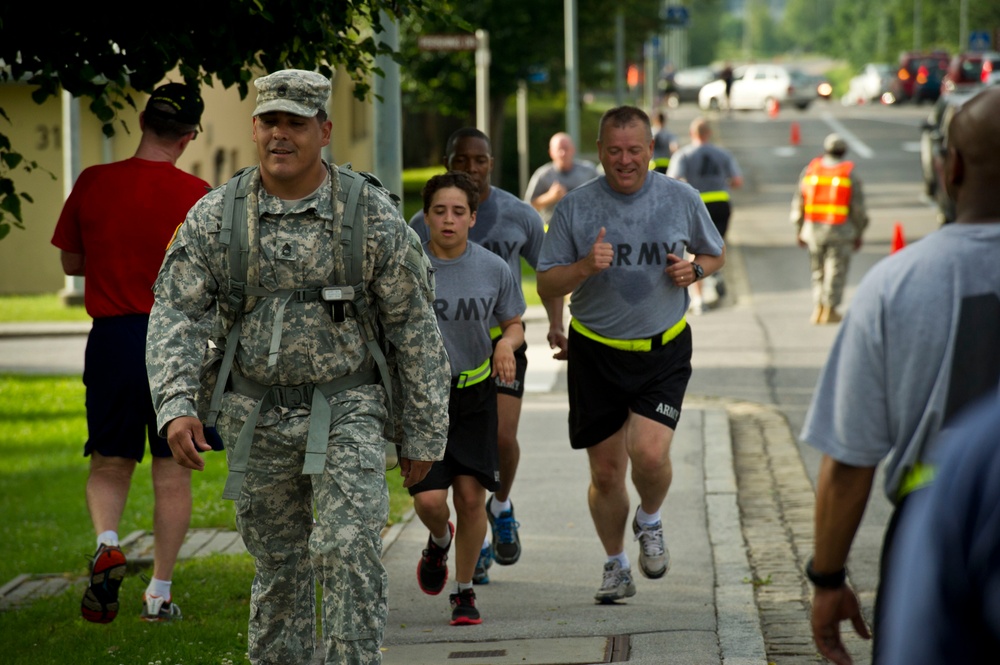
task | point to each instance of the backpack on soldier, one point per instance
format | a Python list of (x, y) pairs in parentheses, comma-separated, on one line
[(347, 297)]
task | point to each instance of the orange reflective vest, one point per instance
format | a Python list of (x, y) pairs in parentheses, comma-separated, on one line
[(826, 192)]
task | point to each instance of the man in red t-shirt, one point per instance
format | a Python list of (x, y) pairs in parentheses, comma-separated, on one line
[(113, 230)]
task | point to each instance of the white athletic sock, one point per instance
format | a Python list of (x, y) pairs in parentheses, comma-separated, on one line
[(498, 508), (462, 586), (442, 542), (160, 588), (107, 538), (643, 518), (622, 559)]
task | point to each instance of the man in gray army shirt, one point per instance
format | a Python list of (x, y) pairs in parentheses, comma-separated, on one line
[(292, 349)]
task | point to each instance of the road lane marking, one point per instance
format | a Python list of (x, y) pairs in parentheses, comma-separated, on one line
[(856, 145)]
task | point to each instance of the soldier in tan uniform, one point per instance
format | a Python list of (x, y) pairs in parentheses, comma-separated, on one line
[(299, 361), (829, 216)]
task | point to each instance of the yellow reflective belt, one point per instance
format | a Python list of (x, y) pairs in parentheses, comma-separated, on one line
[(836, 181), (661, 161), (495, 332), (630, 344), (920, 475), (712, 197), (472, 377)]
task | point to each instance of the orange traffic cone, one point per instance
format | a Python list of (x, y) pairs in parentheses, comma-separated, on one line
[(773, 107), (898, 242), (795, 137)]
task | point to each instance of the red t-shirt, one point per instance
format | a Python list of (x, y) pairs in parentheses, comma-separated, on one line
[(121, 216)]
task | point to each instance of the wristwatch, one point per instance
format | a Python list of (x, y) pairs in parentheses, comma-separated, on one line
[(699, 272), (826, 580)]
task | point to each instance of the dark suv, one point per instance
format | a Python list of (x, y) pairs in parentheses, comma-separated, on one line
[(968, 71), (919, 76), (934, 144)]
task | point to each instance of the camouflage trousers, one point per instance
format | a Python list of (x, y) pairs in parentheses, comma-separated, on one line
[(303, 529), (829, 262)]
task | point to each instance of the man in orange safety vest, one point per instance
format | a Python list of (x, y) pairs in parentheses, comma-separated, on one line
[(829, 214)]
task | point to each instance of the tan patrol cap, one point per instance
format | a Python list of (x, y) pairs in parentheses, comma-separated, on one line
[(294, 91), (834, 144)]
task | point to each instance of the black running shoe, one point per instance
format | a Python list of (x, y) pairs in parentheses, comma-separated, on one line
[(506, 543), (463, 609), (432, 571), (100, 600)]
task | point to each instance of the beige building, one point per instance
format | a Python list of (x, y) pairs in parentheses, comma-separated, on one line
[(29, 264)]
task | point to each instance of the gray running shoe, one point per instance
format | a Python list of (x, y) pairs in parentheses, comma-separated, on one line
[(654, 557), (617, 584)]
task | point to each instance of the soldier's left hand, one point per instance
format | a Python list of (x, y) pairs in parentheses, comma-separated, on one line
[(186, 436), (413, 471)]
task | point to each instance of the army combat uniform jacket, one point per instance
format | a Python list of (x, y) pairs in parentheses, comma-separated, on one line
[(294, 343)]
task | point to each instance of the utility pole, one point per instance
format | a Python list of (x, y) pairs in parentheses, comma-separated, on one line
[(483, 81), (619, 57), (388, 118), (572, 72), (72, 293)]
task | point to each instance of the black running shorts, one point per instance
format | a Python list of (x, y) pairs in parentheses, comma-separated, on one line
[(720, 211), (472, 440), (606, 383), (120, 413)]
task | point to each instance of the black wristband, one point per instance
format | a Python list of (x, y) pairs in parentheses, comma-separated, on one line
[(828, 580)]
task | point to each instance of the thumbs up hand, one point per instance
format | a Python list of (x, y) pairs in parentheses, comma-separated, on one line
[(601, 254)]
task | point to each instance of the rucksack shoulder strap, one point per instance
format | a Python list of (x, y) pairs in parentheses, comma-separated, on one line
[(234, 234)]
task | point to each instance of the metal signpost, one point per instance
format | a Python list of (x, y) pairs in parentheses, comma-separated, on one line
[(480, 43)]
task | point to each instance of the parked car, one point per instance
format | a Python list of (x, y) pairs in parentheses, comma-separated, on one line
[(969, 71), (756, 86), (684, 84), (873, 81), (823, 88), (934, 144), (919, 76)]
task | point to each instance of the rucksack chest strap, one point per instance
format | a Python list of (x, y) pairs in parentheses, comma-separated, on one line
[(311, 396)]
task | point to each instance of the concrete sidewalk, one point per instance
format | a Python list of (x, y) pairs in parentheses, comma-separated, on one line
[(542, 610)]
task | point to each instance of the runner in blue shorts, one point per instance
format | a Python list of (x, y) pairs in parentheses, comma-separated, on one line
[(616, 244)]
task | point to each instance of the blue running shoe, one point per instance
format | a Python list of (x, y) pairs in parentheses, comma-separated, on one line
[(506, 544), (482, 574)]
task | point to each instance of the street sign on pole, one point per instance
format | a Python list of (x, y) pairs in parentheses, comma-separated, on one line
[(979, 40), (676, 15), (456, 42)]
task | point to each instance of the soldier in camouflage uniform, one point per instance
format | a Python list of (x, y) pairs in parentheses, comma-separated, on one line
[(293, 212)]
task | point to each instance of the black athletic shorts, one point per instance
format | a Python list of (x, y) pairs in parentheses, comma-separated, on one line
[(120, 413), (472, 440), (515, 389), (606, 383), (720, 212)]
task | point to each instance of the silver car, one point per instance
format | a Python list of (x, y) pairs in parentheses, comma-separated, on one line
[(873, 81)]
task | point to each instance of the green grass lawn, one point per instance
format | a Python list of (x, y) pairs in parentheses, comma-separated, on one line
[(44, 307), (45, 528)]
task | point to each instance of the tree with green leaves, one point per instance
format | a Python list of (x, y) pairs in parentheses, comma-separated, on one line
[(107, 55), (525, 36)]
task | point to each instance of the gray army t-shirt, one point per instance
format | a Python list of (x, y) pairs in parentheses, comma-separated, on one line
[(470, 292), (633, 298)]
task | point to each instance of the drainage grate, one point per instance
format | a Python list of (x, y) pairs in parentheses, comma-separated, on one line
[(494, 653)]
